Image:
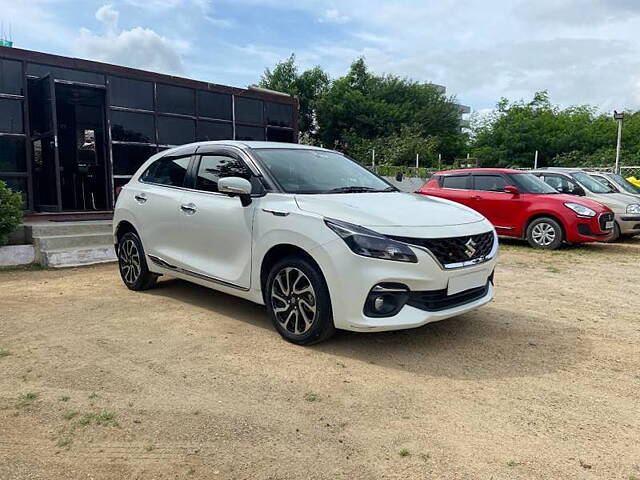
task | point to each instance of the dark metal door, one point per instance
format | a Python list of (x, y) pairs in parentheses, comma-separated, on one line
[(44, 143)]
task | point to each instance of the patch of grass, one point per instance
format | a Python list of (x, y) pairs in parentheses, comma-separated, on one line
[(26, 399), (404, 452), (425, 456), (4, 353), (107, 419), (312, 397), (513, 463), (552, 269), (31, 266), (70, 415), (148, 448), (191, 471), (93, 395), (64, 398), (64, 442)]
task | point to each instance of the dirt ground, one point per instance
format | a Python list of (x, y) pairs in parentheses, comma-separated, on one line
[(182, 382)]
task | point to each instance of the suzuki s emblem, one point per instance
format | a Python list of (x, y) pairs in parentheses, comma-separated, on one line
[(470, 248)]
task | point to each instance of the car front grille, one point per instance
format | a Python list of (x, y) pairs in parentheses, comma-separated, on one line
[(455, 249), (604, 218), (437, 300)]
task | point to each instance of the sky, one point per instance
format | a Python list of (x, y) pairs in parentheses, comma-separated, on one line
[(581, 51)]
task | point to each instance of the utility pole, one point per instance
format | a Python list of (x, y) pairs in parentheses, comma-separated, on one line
[(620, 118), (439, 161), (417, 162), (535, 161), (373, 159)]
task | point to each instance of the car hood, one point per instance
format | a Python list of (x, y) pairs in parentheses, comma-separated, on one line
[(389, 209), (616, 201)]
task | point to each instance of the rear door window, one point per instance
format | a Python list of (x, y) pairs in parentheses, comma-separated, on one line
[(169, 171), (459, 182)]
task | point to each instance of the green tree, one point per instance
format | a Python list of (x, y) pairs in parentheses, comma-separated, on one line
[(10, 211), (308, 86), (361, 108)]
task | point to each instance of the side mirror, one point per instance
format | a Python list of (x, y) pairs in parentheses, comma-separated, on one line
[(236, 186), (511, 189)]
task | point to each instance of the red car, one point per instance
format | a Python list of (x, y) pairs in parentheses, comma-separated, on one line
[(521, 205)]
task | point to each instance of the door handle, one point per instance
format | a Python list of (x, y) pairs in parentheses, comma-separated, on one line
[(188, 208), (476, 197), (140, 197)]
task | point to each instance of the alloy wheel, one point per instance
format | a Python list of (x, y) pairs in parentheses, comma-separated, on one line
[(543, 234), (129, 257), (293, 300)]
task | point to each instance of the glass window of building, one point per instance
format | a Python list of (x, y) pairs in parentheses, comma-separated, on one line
[(38, 70), (279, 114), (11, 116), (128, 93), (249, 110), (176, 131), (132, 127), (244, 132), (128, 158), (214, 131), (11, 77), (172, 99), (17, 184), (214, 105), (279, 135), (12, 154)]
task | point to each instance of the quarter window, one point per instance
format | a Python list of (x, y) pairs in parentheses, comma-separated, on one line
[(214, 167), (489, 183), (456, 181), (169, 171)]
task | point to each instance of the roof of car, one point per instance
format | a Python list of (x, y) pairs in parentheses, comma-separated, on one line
[(480, 170)]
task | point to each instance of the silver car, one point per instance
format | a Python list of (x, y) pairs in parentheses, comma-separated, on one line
[(575, 181)]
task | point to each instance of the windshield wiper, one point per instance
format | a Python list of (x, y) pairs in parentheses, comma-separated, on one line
[(358, 189)]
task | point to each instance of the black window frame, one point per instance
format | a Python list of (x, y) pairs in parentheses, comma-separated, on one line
[(467, 177), (475, 175)]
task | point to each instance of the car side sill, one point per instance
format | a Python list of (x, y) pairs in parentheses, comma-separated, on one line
[(162, 263)]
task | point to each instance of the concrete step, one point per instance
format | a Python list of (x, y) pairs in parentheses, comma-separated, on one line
[(69, 241), (75, 257), (69, 228)]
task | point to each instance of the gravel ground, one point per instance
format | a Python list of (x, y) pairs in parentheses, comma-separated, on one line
[(183, 382)]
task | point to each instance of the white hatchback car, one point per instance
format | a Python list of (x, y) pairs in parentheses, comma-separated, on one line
[(320, 240)]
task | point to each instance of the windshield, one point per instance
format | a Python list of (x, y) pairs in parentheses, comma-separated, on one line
[(319, 171), (625, 184), (590, 184), (529, 183)]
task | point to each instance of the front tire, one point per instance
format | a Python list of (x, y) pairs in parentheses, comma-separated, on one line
[(298, 302), (132, 263), (545, 233)]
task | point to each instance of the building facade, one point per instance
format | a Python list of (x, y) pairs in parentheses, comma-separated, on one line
[(72, 131)]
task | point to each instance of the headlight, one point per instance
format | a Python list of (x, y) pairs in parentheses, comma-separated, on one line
[(580, 209), (368, 243), (634, 208)]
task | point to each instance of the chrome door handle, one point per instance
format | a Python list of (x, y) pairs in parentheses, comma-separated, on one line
[(476, 197), (140, 197), (188, 208)]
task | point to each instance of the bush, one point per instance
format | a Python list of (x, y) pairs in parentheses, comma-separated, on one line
[(10, 211)]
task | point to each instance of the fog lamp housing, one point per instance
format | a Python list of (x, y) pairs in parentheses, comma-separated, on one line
[(386, 300)]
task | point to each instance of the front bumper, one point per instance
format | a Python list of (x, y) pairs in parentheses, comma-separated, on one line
[(628, 223), (351, 277), (590, 229)]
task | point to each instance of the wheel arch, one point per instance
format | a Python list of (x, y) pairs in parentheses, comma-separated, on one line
[(123, 227), (552, 216), (278, 252)]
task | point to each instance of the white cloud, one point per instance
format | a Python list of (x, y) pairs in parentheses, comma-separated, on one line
[(138, 47), (333, 15), (155, 5)]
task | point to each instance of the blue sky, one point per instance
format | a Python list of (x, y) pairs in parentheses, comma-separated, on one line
[(582, 51)]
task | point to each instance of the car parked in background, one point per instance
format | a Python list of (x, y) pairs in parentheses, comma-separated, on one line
[(616, 183), (633, 180), (520, 205), (574, 181), (320, 240)]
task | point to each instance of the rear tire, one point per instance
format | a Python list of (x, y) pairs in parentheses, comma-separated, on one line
[(132, 263), (545, 233), (298, 302)]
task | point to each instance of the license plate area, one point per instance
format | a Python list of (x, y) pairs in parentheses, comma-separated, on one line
[(467, 281), (608, 225)]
